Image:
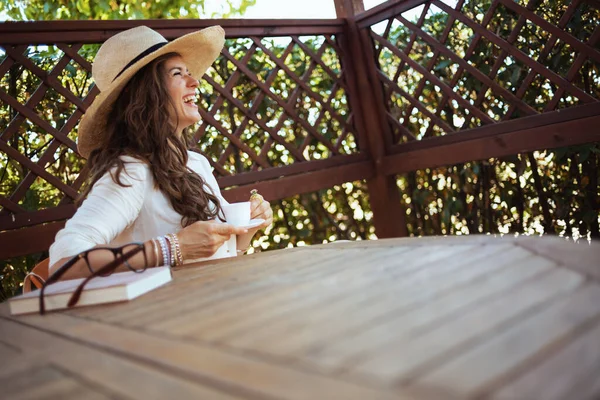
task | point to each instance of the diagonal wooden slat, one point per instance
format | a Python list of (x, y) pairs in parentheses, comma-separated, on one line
[(308, 139), (7, 64), (8, 205), (19, 118), (344, 134), (386, 34), (337, 49), (394, 138), (403, 130), (72, 51), (219, 169), (81, 179)]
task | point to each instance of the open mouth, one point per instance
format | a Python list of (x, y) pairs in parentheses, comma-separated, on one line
[(190, 100)]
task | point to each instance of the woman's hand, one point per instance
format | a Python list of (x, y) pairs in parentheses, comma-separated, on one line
[(203, 238), (261, 208)]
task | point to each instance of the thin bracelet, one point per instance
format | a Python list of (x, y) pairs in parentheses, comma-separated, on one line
[(165, 250), (177, 248), (162, 250), (155, 248)]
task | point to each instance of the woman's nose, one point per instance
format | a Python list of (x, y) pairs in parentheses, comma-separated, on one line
[(193, 82)]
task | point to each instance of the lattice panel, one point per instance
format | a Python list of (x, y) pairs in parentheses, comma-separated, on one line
[(448, 66), (266, 102), (275, 101), (44, 91)]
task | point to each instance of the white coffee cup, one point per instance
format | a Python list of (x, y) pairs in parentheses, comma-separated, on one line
[(237, 214)]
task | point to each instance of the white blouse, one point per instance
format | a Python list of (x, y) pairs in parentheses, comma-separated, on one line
[(114, 215)]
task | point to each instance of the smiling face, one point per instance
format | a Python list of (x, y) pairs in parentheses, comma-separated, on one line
[(182, 88)]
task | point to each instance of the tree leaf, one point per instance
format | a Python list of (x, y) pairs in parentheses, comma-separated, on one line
[(443, 64)]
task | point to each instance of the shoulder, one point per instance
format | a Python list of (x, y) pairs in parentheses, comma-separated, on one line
[(134, 170), (195, 156), (198, 161), (134, 166)]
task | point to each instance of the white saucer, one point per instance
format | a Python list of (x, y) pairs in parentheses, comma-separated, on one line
[(254, 223)]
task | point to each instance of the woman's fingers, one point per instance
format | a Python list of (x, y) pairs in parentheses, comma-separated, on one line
[(203, 238), (261, 211), (255, 204), (227, 230)]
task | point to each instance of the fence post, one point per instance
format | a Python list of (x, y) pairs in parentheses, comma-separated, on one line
[(366, 99)]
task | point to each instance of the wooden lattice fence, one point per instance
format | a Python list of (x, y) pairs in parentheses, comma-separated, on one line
[(294, 106)]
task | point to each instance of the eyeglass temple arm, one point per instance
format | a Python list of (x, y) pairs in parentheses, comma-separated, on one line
[(54, 277), (108, 267)]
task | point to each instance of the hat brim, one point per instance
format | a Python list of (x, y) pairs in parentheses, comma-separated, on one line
[(198, 50)]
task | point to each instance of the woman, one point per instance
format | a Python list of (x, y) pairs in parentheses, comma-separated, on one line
[(145, 186)]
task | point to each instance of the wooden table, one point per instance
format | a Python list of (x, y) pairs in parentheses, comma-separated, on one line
[(428, 318)]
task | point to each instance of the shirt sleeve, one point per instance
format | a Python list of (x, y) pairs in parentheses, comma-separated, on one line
[(105, 213)]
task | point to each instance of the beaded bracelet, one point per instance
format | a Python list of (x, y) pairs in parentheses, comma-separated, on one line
[(165, 250), (176, 247)]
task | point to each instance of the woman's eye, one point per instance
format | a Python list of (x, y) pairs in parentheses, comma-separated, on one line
[(176, 73)]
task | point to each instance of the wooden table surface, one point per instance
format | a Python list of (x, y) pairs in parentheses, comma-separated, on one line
[(421, 318)]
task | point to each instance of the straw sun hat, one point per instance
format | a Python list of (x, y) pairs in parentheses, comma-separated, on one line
[(124, 54)]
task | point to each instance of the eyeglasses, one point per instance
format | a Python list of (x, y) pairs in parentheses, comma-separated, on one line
[(115, 257)]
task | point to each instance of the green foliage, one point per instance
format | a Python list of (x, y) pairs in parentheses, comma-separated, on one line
[(47, 10), (339, 213), (13, 271), (546, 192)]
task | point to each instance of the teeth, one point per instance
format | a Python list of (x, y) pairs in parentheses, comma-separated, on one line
[(189, 99)]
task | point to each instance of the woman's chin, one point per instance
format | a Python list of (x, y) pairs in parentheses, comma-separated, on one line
[(190, 121)]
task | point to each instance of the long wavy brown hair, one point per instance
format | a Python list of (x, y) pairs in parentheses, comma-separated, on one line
[(140, 126)]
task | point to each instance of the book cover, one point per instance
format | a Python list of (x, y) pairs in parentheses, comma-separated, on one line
[(121, 286)]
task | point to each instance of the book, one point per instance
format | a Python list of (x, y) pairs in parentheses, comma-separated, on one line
[(121, 286)]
